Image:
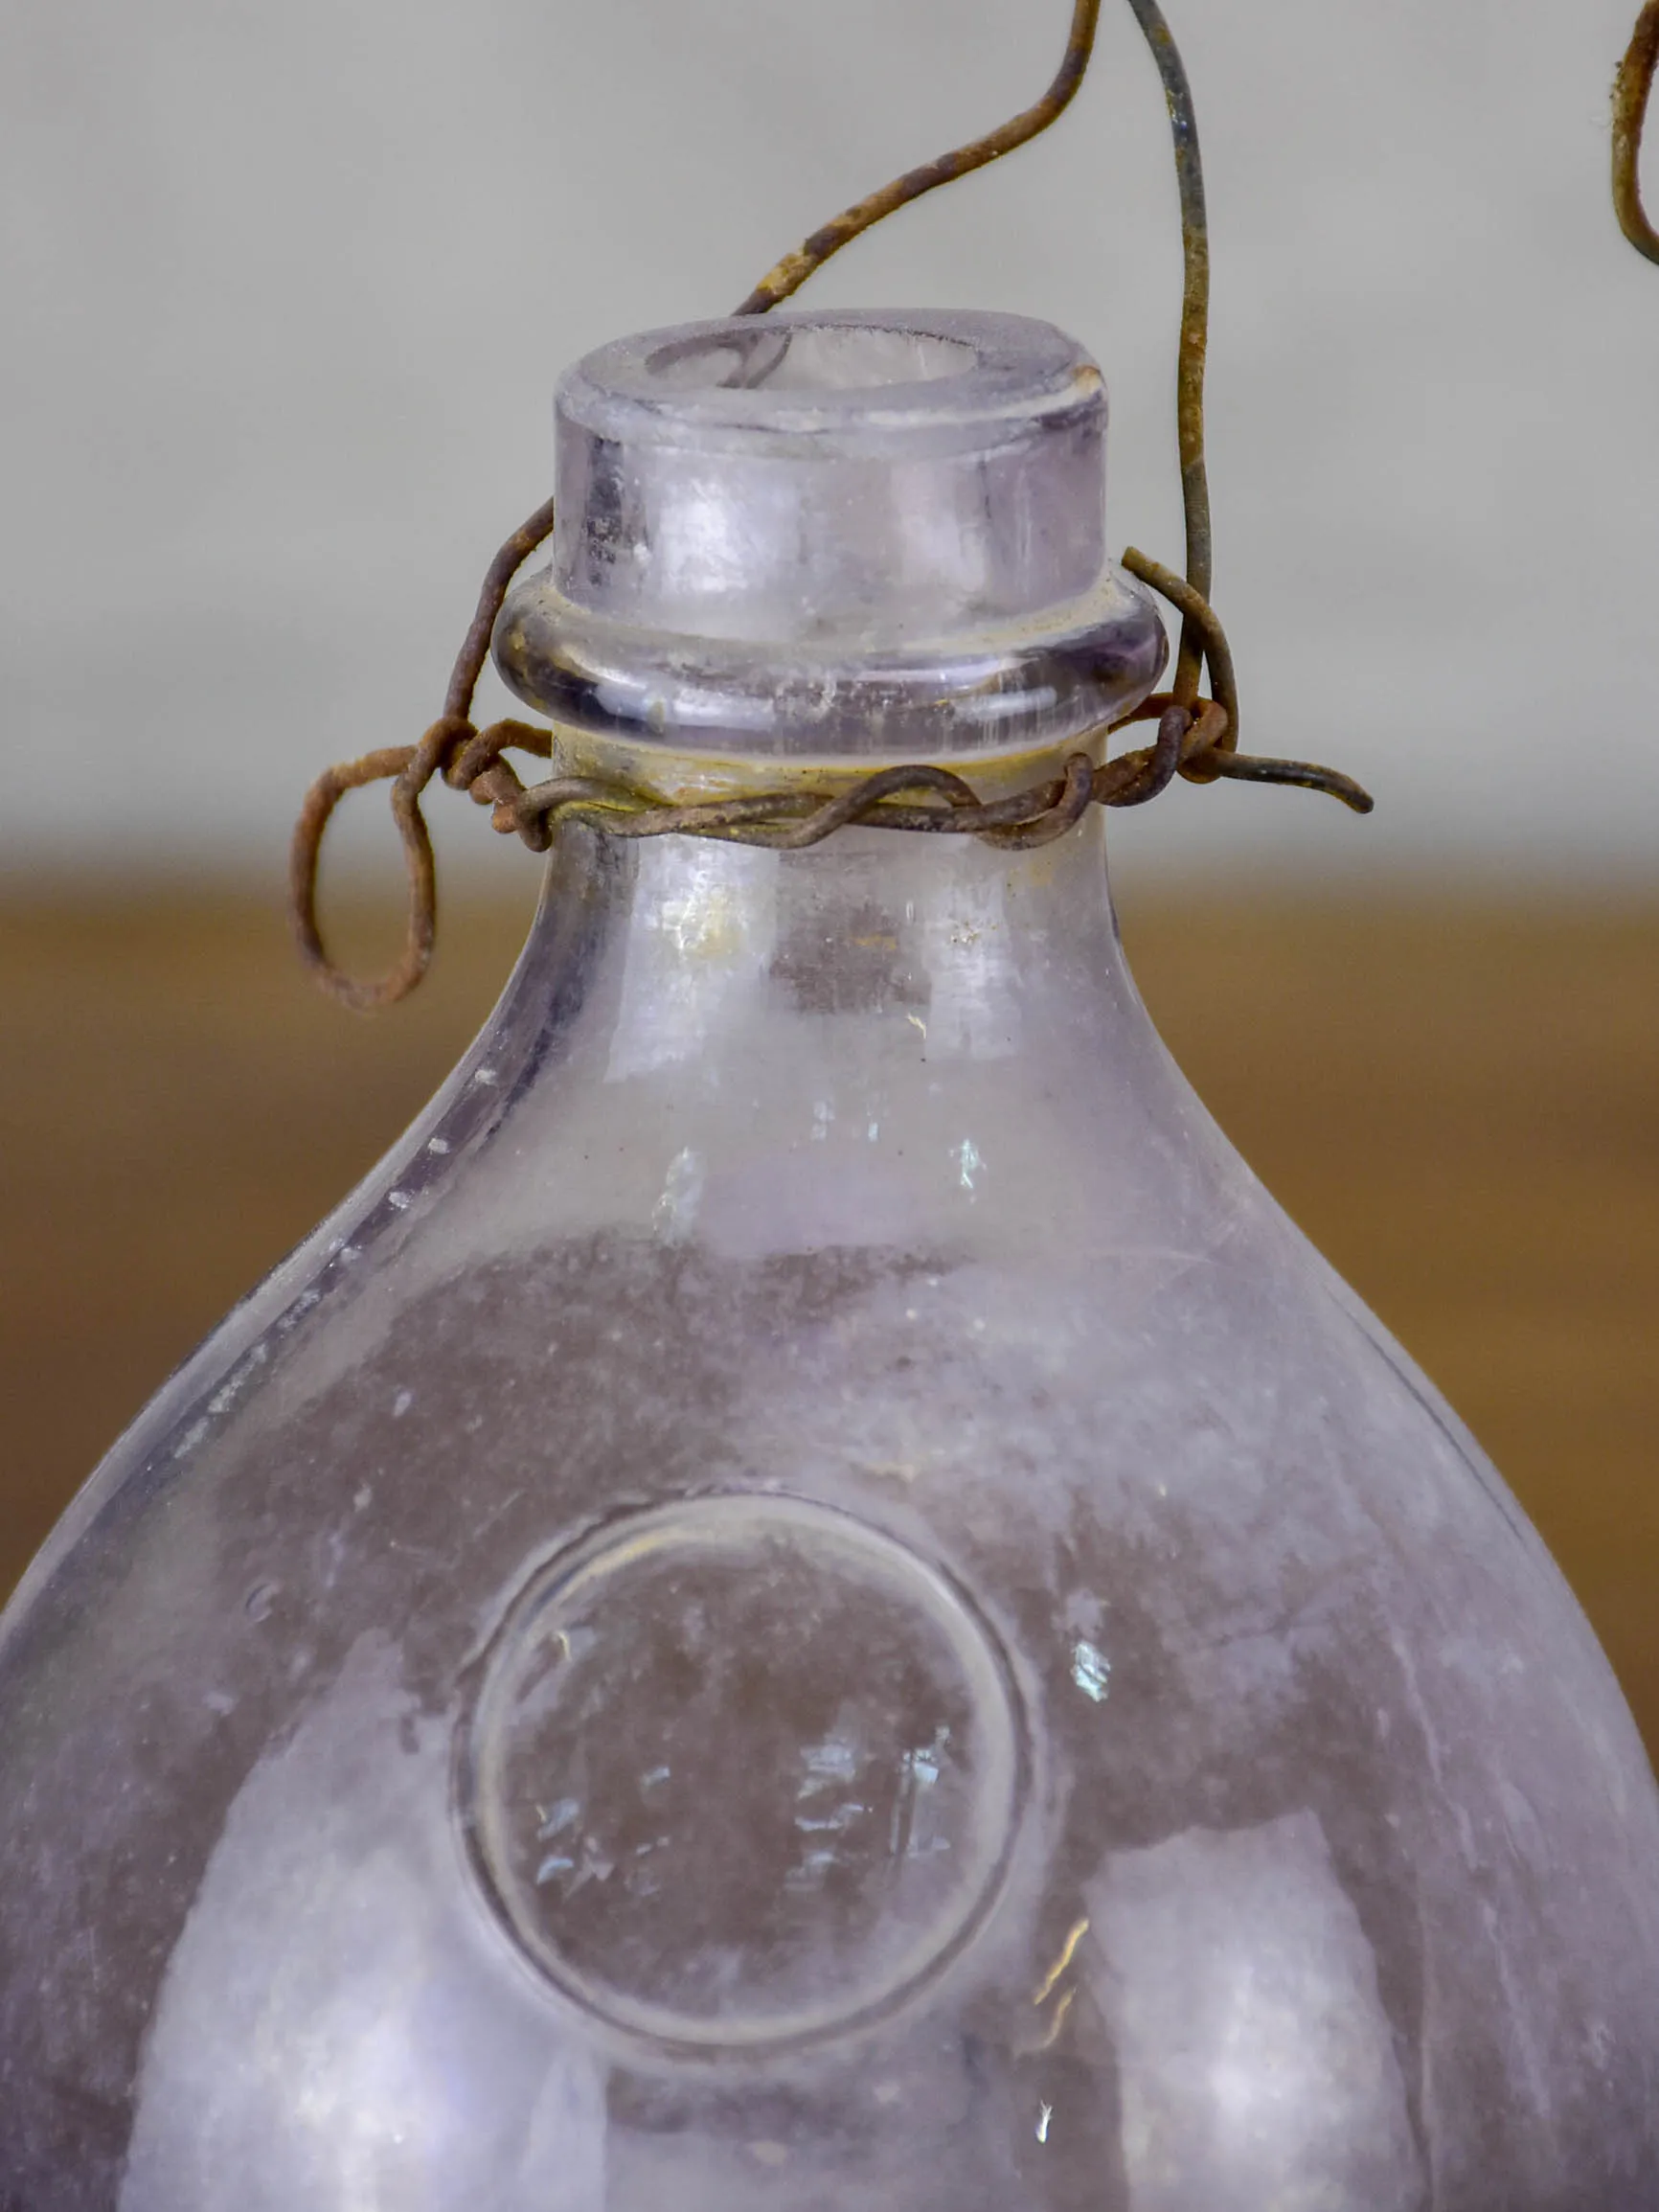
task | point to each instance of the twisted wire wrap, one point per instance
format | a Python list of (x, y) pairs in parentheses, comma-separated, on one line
[(1197, 740)]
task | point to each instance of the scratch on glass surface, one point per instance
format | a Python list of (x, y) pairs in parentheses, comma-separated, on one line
[(918, 1771), (831, 1761), (1058, 2022), (226, 1396), (1091, 1671), (558, 1817), (1075, 1935), (676, 1209)]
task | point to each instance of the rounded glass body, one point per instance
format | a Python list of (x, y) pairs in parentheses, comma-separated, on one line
[(811, 1599)]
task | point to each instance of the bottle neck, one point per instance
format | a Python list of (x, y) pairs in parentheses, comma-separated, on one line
[(890, 1035), (883, 950)]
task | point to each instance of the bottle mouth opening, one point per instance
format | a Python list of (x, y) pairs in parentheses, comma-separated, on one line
[(839, 385), (807, 357)]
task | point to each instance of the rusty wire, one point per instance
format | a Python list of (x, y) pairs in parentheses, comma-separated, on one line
[(1193, 343), (1196, 737), (1632, 91), (793, 270)]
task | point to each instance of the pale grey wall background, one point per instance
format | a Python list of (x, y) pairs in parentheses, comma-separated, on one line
[(287, 285)]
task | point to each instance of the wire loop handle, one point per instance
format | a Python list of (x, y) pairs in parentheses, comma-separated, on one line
[(1197, 738)]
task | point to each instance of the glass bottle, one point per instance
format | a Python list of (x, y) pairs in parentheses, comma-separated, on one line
[(809, 1599)]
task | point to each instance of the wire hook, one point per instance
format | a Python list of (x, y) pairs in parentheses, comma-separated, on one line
[(1633, 90), (789, 274)]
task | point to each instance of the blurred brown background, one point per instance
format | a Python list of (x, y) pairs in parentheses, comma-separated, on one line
[(1460, 1102)]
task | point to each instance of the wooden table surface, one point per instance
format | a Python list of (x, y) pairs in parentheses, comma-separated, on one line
[(1460, 1102)]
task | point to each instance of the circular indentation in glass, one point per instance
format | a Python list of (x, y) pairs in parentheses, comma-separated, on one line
[(742, 1773)]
